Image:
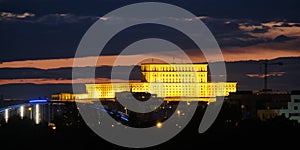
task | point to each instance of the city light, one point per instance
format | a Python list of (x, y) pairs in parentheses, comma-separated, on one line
[(30, 111), (124, 118), (178, 112), (188, 103), (37, 114), (38, 101), (22, 112), (6, 115), (126, 112), (158, 124), (52, 125)]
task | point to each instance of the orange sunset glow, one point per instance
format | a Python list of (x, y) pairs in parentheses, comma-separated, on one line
[(258, 52), (57, 81)]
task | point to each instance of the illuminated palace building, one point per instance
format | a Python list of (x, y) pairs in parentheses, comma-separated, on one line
[(173, 82)]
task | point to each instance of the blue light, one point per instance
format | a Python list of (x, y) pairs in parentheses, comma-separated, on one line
[(124, 118), (38, 101)]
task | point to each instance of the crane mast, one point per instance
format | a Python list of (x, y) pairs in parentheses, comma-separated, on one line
[(266, 63)]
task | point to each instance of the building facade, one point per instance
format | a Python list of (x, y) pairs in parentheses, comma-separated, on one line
[(293, 110), (68, 96), (171, 81)]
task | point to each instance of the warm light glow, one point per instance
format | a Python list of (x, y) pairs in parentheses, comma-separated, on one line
[(172, 81), (22, 112), (37, 114), (158, 124), (6, 115), (29, 108), (234, 53), (126, 111), (178, 112), (259, 51), (107, 60), (68, 96), (52, 125), (58, 81)]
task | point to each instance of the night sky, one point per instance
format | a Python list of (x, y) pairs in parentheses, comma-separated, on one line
[(39, 38)]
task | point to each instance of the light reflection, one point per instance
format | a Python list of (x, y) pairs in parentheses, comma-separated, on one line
[(22, 112), (30, 111), (6, 115), (37, 114)]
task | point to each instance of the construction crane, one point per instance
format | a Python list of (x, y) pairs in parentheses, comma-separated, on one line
[(266, 63)]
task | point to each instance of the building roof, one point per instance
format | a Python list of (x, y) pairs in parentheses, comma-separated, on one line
[(174, 64), (244, 92), (295, 92)]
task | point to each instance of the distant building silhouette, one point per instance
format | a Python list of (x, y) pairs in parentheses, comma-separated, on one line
[(293, 110), (259, 105), (1, 100)]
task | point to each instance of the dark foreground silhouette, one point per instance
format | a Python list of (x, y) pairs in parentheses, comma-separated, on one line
[(278, 132)]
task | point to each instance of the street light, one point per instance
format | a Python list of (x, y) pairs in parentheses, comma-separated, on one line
[(125, 110), (158, 124)]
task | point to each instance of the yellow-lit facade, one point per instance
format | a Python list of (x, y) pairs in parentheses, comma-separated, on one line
[(68, 96), (171, 81)]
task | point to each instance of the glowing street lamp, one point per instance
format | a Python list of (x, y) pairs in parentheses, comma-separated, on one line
[(158, 124)]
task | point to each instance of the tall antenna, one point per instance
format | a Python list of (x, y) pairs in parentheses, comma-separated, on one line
[(266, 63)]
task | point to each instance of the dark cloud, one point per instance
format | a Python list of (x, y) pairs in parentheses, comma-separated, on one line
[(65, 73), (285, 24), (282, 42), (21, 40), (43, 29), (58, 35), (283, 38), (29, 40), (264, 29), (33, 91), (228, 32), (254, 9), (57, 19)]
